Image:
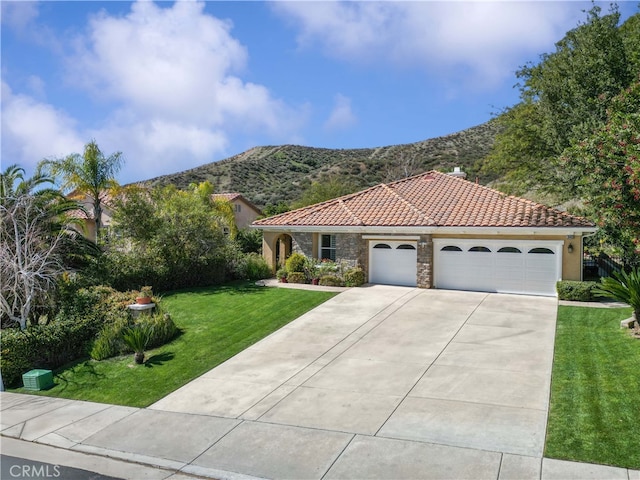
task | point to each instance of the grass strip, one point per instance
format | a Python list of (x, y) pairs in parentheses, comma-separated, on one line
[(595, 389)]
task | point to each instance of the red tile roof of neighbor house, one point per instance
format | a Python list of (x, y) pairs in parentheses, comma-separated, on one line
[(431, 199)]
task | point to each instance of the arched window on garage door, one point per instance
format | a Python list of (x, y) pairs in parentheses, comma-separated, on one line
[(405, 246), (381, 245), (450, 248), (479, 249), (541, 250), (509, 250)]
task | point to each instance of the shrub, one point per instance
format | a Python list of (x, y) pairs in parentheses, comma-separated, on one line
[(354, 277), (44, 346), (331, 281), (296, 263), (624, 287), (576, 291), (109, 341), (282, 273), (296, 277), (257, 267), (162, 326)]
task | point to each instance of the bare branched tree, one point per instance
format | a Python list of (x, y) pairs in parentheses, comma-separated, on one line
[(407, 165), (30, 257)]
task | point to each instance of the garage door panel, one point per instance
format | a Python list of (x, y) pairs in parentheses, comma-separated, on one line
[(508, 268), (393, 263)]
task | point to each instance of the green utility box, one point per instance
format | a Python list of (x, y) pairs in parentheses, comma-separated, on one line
[(38, 379)]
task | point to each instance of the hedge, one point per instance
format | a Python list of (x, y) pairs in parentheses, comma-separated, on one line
[(44, 346), (576, 291)]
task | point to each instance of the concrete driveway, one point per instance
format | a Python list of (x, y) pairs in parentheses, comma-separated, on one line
[(441, 368)]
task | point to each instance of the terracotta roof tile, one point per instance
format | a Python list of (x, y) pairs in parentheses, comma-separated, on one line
[(430, 199)]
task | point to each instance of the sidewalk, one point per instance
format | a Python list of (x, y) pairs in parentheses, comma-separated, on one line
[(60, 431)]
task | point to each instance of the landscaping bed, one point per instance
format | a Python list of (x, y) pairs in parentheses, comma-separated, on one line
[(595, 390), (215, 324)]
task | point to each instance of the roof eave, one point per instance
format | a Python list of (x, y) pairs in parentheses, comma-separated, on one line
[(462, 230)]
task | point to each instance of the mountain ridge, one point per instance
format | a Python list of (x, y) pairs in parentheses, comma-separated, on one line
[(280, 173)]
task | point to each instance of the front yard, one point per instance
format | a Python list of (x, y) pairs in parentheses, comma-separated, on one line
[(595, 392), (216, 323)]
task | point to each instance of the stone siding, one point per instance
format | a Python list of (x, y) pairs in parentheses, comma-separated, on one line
[(425, 262), (303, 243)]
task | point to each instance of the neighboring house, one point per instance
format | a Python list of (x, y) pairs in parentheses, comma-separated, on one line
[(436, 230), (89, 228), (244, 211)]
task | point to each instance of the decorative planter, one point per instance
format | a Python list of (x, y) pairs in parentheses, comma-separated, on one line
[(314, 281), (143, 300)]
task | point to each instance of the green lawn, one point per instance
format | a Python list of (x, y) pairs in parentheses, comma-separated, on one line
[(595, 391), (216, 324)]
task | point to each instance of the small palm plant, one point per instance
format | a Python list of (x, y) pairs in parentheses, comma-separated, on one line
[(137, 338), (624, 287)]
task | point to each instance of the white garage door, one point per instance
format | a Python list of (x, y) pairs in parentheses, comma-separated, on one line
[(526, 267), (393, 262)]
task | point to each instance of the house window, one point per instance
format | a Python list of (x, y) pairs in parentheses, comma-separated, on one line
[(545, 251), (328, 247), (509, 250), (479, 249), (238, 207)]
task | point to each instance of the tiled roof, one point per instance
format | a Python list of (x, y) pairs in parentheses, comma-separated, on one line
[(431, 199), (225, 196)]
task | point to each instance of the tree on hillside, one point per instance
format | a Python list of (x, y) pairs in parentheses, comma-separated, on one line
[(325, 189), (610, 164), (90, 175), (564, 99)]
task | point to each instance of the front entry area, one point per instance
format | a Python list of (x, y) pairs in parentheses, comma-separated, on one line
[(393, 262), (504, 266)]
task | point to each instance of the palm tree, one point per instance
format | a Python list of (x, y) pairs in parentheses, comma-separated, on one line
[(90, 174)]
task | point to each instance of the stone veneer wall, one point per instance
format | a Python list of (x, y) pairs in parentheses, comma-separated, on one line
[(350, 247), (303, 243), (425, 262)]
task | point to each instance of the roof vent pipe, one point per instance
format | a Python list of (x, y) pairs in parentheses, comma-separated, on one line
[(457, 173)]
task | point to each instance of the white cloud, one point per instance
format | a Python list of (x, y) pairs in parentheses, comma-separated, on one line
[(18, 15), (481, 39), (32, 131), (342, 116), (174, 74)]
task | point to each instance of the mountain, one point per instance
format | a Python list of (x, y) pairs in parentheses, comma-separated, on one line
[(281, 173)]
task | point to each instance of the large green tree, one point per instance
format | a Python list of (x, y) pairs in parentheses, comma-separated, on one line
[(168, 238), (90, 175), (610, 164), (564, 99)]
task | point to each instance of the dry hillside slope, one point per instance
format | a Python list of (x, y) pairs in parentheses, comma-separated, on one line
[(280, 173)]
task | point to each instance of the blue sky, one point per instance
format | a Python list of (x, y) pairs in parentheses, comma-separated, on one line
[(176, 85)]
